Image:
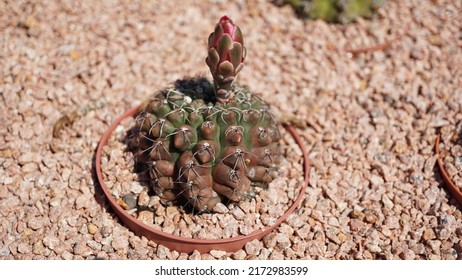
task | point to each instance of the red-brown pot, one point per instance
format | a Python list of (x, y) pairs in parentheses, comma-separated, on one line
[(453, 189), (183, 244)]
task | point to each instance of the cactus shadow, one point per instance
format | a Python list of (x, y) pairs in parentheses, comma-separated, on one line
[(442, 184), (197, 88)]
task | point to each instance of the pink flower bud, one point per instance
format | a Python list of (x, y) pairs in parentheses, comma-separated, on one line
[(226, 55)]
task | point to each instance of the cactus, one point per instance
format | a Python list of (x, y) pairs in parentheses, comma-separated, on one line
[(207, 143), (339, 11)]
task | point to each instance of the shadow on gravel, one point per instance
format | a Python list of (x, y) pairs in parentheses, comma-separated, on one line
[(439, 178), (100, 197)]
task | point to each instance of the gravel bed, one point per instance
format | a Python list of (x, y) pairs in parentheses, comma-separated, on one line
[(369, 120), (451, 152), (228, 221)]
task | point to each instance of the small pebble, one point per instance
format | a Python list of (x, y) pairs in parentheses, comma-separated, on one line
[(130, 200), (239, 255), (50, 241), (92, 228), (143, 199), (217, 254), (220, 208), (35, 223), (146, 217), (119, 243), (428, 234)]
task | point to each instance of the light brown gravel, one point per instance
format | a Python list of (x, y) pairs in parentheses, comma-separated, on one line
[(370, 121)]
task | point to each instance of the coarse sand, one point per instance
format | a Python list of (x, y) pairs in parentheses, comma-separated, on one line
[(369, 120)]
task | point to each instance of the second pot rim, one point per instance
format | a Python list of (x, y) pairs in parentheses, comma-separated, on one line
[(453, 189)]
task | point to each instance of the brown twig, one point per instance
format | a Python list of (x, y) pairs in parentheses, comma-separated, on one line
[(64, 121), (377, 47), (69, 118)]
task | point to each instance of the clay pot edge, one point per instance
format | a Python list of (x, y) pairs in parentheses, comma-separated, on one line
[(185, 244)]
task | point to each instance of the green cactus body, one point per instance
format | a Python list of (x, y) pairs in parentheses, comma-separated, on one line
[(342, 11), (204, 151), (323, 9)]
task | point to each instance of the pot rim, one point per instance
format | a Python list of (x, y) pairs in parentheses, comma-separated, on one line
[(187, 244), (450, 185)]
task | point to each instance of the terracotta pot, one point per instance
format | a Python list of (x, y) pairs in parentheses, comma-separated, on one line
[(453, 189), (183, 244)]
